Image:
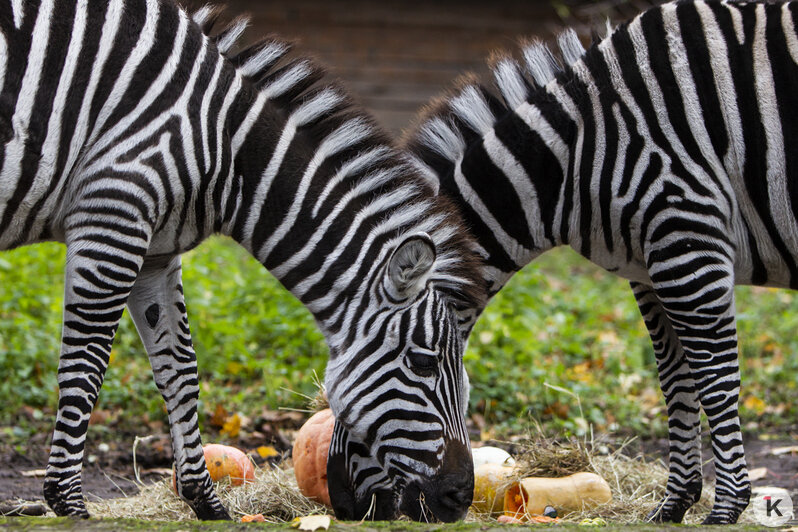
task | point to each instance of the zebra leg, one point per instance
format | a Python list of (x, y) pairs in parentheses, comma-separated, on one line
[(158, 309), (684, 427), (699, 302), (98, 278)]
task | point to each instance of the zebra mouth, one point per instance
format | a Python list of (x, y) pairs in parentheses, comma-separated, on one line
[(447, 496), (432, 502), (378, 505)]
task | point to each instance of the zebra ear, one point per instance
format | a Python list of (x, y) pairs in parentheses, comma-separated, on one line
[(410, 267)]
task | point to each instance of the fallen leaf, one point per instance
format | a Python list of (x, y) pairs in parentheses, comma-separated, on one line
[(99, 417), (219, 416), (232, 426), (257, 518), (754, 403), (312, 522), (282, 418), (265, 451), (157, 471), (598, 521), (34, 473), (790, 449), (757, 473)]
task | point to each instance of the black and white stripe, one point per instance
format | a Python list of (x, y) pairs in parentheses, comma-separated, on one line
[(663, 154), (131, 133), (375, 473)]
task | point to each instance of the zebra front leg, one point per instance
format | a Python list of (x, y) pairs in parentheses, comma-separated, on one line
[(698, 299), (158, 309), (684, 427), (98, 280)]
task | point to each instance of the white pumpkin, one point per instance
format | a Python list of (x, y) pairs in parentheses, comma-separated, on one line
[(491, 455)]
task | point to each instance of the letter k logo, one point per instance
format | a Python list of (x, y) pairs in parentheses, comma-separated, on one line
[(773, 506)]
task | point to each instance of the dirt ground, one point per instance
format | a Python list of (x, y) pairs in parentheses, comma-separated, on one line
[(111, 472)]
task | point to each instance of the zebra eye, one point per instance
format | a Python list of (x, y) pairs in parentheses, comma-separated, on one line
[(422, 364)]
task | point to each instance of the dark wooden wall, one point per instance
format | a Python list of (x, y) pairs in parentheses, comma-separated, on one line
[(396, 55)]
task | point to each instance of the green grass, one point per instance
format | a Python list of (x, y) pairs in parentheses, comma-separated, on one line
[(563, 344), (40, 523)]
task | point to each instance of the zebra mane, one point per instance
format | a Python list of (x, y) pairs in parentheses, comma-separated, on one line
[(471, 104), (318, 100), (266, 63)]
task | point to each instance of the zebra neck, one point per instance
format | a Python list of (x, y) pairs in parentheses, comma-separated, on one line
[(291, 178), (322, 204), (508, 174), (320, 197), (531, 149)]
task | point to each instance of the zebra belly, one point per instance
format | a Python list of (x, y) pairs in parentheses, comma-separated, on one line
[(632, 271), (764, 255), (24, 205), (770, 264)]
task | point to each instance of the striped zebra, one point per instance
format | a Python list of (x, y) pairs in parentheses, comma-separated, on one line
[(130, 133), (661, 153)]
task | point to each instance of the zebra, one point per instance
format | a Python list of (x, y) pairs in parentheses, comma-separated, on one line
[(661, 153), (131, 131)]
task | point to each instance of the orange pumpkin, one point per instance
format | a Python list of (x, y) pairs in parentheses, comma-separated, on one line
[(226, 461), (311, 448)]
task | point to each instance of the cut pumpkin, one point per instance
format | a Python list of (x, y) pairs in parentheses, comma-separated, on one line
[(576, 492)]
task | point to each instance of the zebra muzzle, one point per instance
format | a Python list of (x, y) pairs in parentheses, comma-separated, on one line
[(446, 496)]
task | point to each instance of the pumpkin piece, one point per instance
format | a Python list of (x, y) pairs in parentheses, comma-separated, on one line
[(531, 496), (542, 519), (490, 483), (508, 520), (255, 518), (487, 454), (311, 448), (225, 461)]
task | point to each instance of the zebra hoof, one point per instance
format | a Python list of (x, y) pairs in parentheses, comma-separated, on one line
[(669, 511), (675, 504), (730, 507), (726, 515), (62, 505), (64, 509), (720, 518), (211, 512)]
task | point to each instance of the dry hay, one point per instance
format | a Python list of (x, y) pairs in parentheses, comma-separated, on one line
[(273, 494), (637, 484)]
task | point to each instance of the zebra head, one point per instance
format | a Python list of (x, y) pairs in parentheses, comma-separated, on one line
[(400, 396)]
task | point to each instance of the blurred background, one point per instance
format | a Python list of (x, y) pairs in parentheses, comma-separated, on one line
[(395, 55)]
